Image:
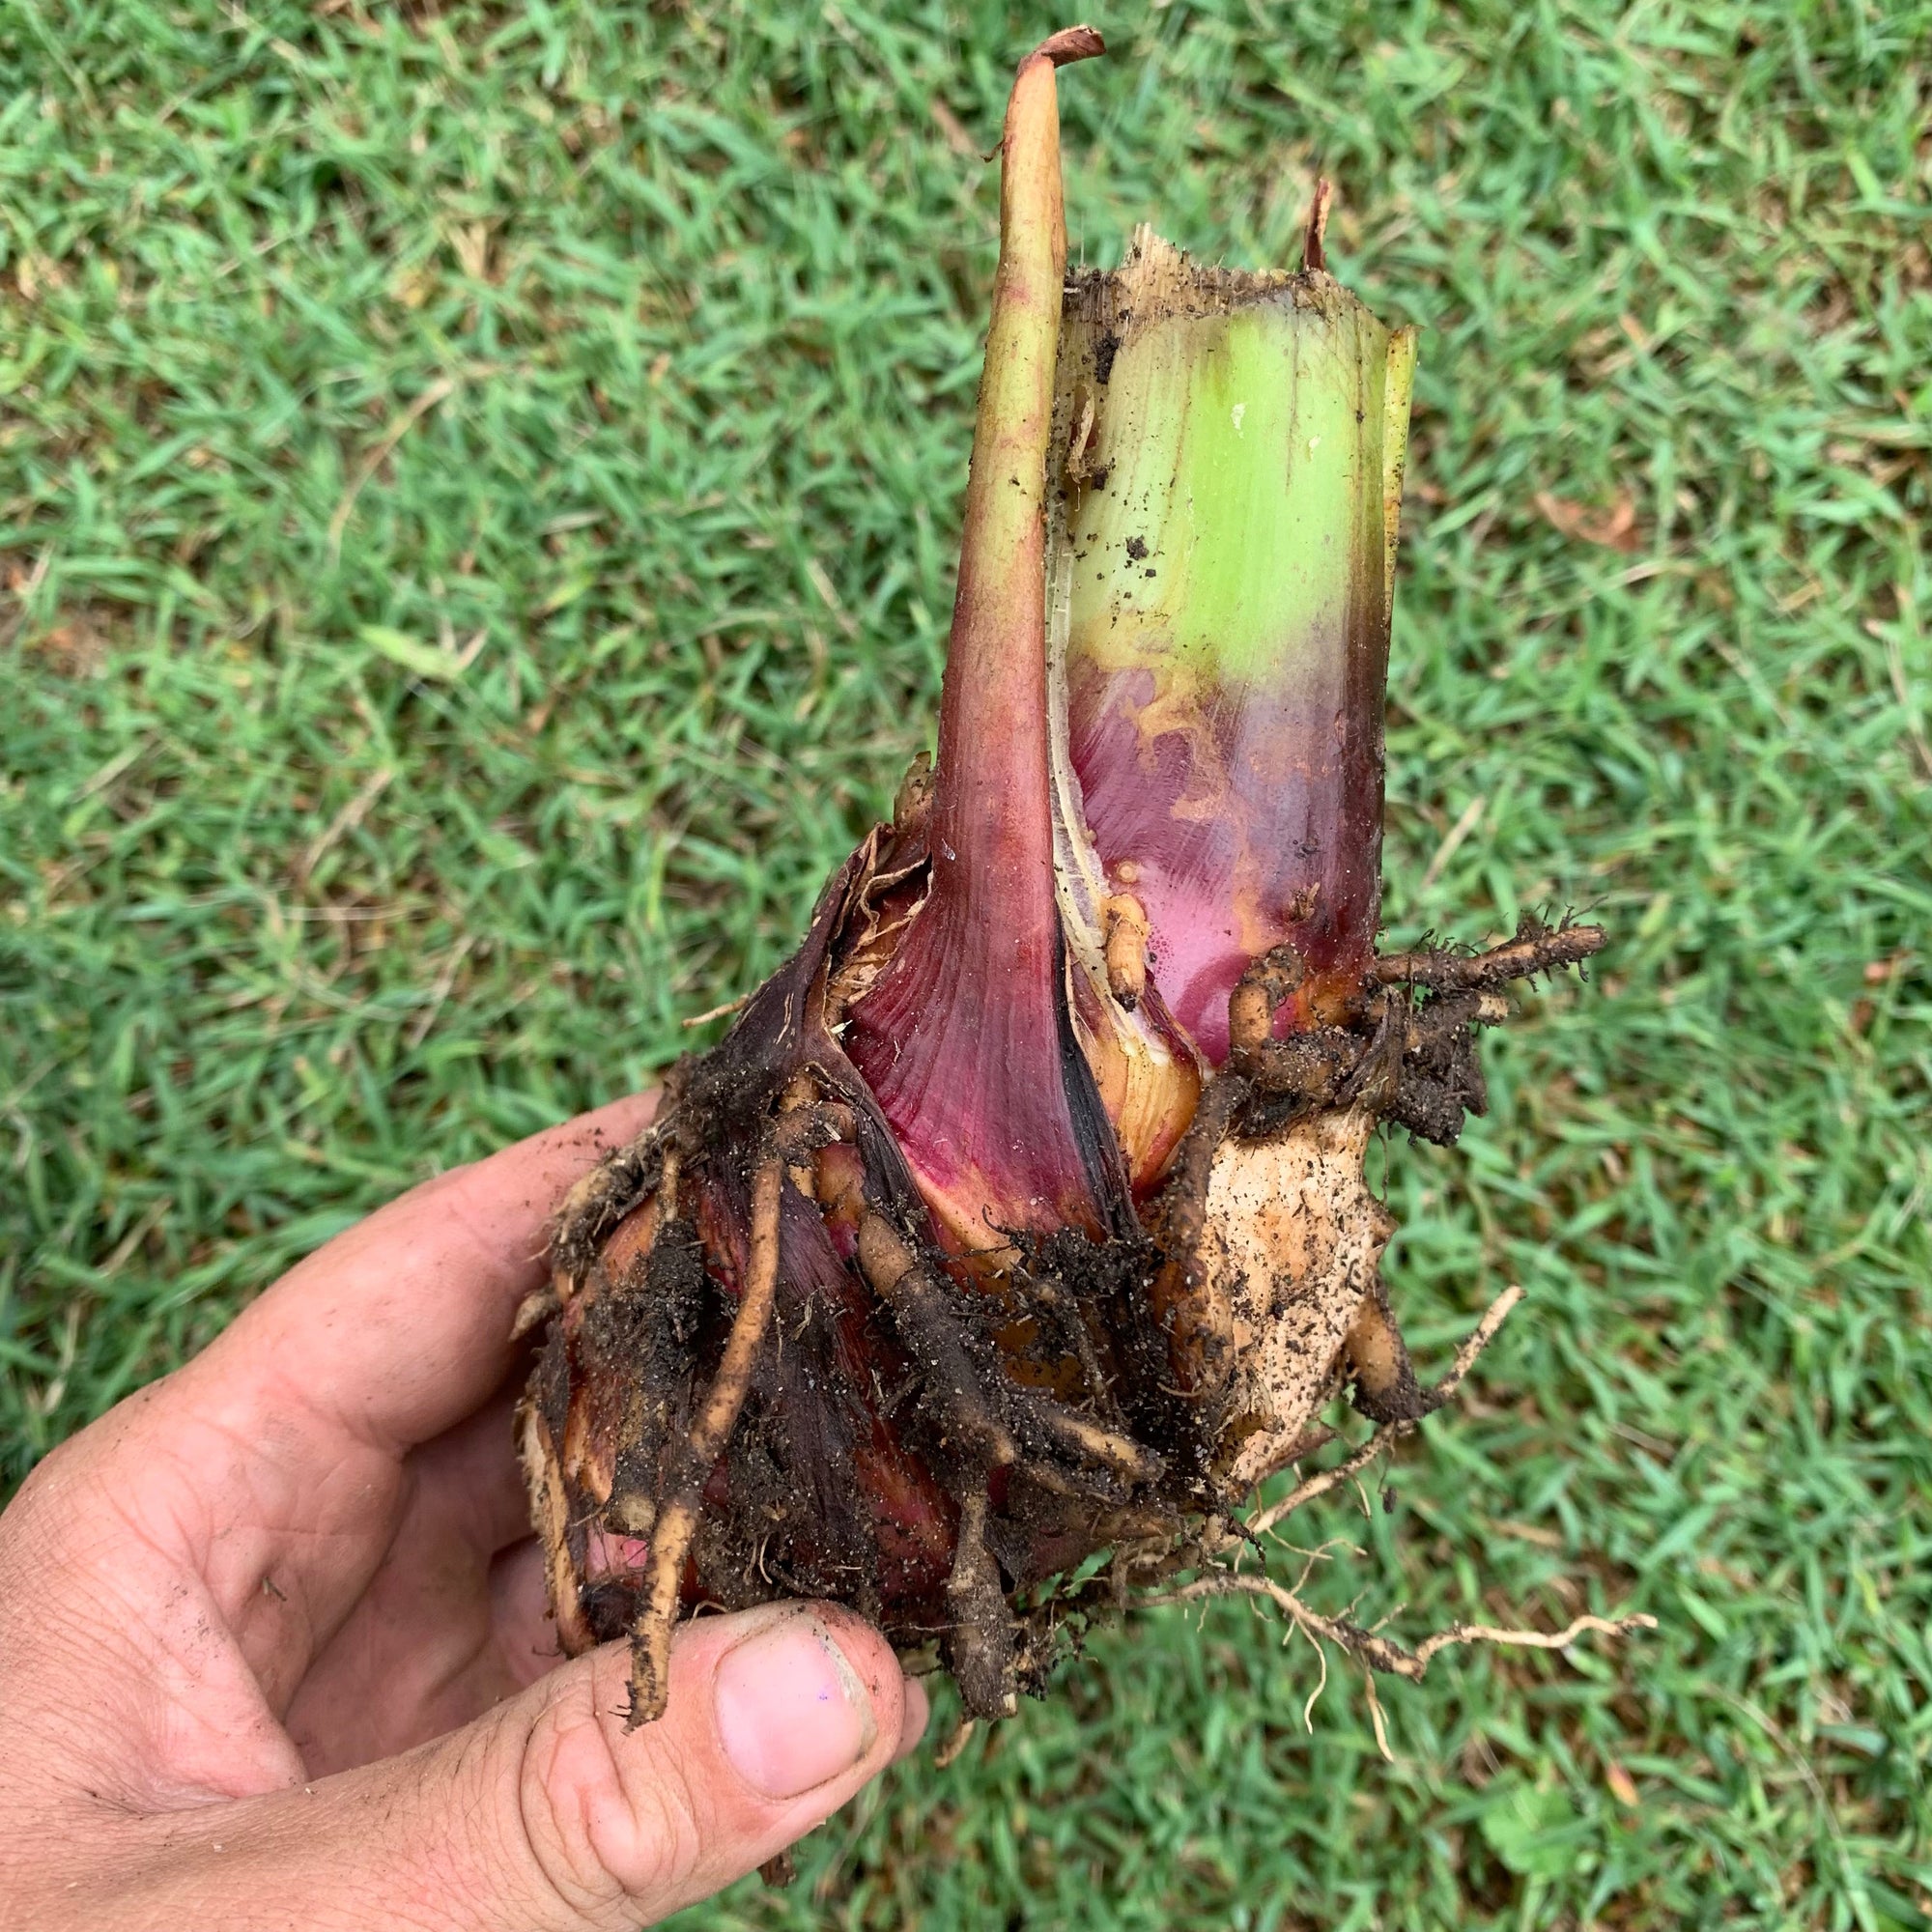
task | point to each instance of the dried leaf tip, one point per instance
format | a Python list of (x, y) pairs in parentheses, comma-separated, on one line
[(1070, 45)]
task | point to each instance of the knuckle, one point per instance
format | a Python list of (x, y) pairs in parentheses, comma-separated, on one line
[(607, 1826), (566, 1781), (664, 1839)]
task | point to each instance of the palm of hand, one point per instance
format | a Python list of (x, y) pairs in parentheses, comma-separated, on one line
[(316, 1545)]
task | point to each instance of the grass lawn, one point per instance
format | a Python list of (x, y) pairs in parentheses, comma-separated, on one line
[(477, 493)]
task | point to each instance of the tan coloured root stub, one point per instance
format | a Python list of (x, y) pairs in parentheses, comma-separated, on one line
[(535, 1309), (1258, 994), (1129, 1460), (1480, 1337), (1125, 932), (1376, 1358)]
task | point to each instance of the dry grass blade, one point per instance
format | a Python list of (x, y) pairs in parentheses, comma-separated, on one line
[(436, 392)]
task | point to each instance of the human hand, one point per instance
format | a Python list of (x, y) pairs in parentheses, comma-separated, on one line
[(273, 1642)]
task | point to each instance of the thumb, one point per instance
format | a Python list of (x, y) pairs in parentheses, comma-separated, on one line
[(547, 1815)]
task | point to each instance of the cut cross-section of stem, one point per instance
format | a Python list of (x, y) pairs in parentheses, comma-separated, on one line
[(1020, 1217)]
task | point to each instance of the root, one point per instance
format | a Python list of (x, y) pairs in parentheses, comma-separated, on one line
[(1411, 1061), (934, 1338), (1045, 1291), (947, 1755), (1416, 1064), (1375, 1651), (804, 1129), (710, 1431), (1480, 1337), (986, 1423), (1307, 1069), (1536, 949), (535, 1309), (1377, 1358), (1124, 930), (550, 1511), (1178, 1213), (1276, 976), (605, 1195), (984, 1416), (1104, 1449), (736, 1005), (1381, 1653), (983, 1643)]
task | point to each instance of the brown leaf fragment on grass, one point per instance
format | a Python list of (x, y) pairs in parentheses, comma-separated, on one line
[(75, 649), (1611, 526)]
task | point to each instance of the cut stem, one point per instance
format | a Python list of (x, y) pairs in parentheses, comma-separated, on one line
[(1233, 447)]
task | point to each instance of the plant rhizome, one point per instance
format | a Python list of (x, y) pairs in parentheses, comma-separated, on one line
[(1018, 1230)]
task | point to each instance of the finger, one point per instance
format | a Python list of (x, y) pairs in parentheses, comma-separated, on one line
[(548, 1813), (398, 1328), (914, 1717)]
